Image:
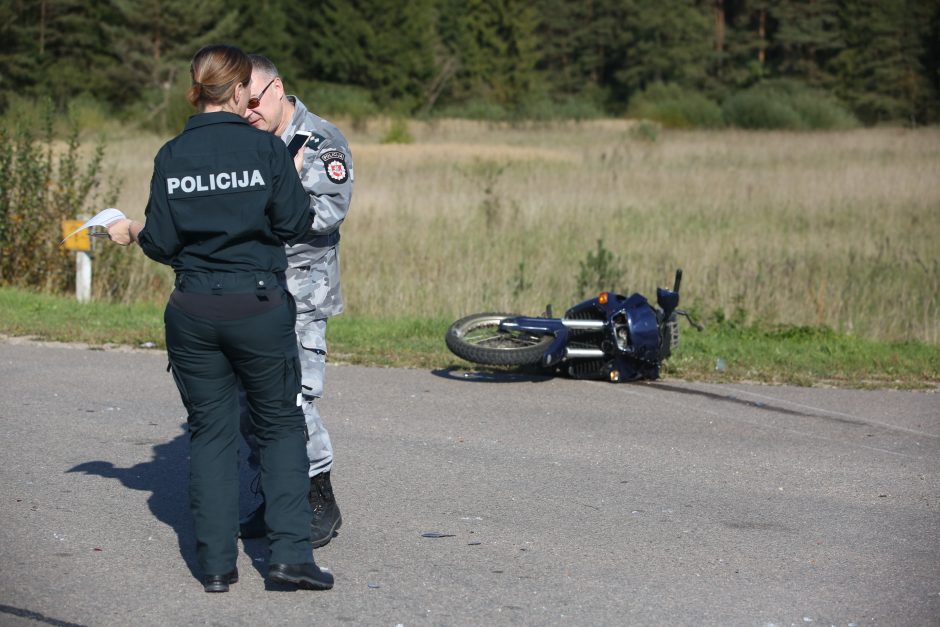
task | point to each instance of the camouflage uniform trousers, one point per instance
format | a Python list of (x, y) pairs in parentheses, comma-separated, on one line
[(311, 345)]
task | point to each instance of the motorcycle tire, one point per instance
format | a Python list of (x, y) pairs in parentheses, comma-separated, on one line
[(478, 339)]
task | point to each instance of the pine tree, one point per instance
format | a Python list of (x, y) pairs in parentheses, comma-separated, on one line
[(155, 39), (881, 70), (744, 55), (54, 49), (386, 46), (264, 27), (670, 41), (19, 48), (402, 60), (577, 43), (332, 41), (495, 44), (805, 37)]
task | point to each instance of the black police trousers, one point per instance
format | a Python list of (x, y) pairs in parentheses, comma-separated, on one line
[(207, 356)]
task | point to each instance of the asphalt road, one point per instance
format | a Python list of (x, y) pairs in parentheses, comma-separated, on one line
[(561, 502)]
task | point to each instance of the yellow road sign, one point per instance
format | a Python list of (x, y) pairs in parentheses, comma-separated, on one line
[(79, 241)]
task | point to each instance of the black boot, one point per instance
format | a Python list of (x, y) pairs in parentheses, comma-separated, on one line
[(252, 525), (220, 583), (326, 517), (304, 576)]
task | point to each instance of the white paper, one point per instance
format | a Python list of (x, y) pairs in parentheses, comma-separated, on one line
[(102, 218)]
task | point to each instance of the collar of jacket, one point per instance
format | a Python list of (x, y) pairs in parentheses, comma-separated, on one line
[(215, 117), (298, 120)]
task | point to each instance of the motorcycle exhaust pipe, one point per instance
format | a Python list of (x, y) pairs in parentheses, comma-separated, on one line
[(581, 353)]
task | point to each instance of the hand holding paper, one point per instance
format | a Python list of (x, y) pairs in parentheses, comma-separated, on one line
[(102, 218)]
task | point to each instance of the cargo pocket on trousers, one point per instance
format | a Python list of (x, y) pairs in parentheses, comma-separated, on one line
[(312, 354), (184, 394), (292, 388)]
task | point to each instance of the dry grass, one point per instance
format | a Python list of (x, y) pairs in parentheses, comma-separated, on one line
[(840, 228)]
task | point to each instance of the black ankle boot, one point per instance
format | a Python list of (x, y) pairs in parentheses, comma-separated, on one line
[(326, 517), (220, 583), (304, 576)]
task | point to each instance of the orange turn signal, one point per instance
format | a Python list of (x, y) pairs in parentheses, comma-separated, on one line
[(602, 298)]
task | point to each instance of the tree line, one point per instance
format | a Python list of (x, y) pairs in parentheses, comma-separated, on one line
[(879, 59)]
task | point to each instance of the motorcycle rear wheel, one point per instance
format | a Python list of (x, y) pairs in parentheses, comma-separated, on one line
[(477, 338)]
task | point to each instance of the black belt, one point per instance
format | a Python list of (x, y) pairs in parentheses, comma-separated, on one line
[(323, 241), (229, 282)]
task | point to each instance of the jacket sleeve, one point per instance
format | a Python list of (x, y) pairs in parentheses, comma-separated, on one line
[(290, 220), (327, 176), (159, 238)]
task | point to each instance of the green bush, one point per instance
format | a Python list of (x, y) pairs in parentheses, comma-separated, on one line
[(397, 133), (675, 107), (822, 112), (600, 271), (41, 184), (755, 110), (566, 108), (645, 131), (88, 114), (22, 112), (123, 274), (787, 105)]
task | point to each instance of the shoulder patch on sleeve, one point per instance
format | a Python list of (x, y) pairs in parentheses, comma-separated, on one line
[(334, 162)]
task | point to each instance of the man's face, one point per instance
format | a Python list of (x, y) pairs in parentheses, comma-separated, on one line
[(268, 115)]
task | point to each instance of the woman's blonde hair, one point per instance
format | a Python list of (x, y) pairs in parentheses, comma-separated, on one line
[(216, 70)]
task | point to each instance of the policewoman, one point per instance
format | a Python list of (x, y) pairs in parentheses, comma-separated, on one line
[(224, 200)]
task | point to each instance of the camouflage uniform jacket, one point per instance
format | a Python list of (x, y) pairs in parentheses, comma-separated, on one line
[(327, 176)]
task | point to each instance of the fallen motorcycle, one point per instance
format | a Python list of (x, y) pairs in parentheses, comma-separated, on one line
[(610, 337)]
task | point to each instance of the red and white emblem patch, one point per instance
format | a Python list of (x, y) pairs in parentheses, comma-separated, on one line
[(336, 170), (334, 162)]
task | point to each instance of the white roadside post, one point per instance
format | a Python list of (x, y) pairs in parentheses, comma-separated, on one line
[(81, 243)]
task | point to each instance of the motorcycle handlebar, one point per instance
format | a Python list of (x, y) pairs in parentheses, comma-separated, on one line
[(675, 287)]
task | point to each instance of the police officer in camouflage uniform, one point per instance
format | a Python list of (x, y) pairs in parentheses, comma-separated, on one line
[(224, 199), (312, 275)]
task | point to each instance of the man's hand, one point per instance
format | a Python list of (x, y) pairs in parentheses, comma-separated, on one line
[(299, 160)]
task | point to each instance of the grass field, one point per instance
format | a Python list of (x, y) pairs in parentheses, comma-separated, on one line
[(835, 229), (792, 355)]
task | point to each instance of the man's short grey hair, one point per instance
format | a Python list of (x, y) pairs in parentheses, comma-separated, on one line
[(262, 64)]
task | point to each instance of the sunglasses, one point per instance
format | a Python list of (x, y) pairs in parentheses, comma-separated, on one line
[(255, 101)]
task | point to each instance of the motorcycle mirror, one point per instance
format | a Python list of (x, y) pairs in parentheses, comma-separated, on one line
[(668, 300)]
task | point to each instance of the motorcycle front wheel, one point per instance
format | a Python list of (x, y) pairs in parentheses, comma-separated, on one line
[(477, 338)]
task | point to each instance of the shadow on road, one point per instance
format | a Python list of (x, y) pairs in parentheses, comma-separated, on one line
[(36, 616), (166, 477), (731, 398), (492, 375)]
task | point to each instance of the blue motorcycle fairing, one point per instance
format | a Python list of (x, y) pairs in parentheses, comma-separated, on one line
[(644, 328)]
